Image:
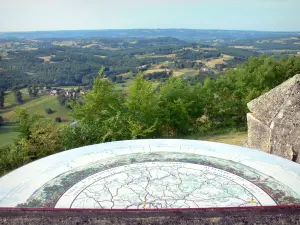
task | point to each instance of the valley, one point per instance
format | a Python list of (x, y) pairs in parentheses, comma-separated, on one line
[(49, 74)]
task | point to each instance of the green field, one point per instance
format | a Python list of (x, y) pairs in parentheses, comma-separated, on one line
[(68, 87), (33, 105), (185, 72), (234, 138), (125, 86), (7, 135)]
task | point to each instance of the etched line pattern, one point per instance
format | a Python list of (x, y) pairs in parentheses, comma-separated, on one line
[(164, 185)]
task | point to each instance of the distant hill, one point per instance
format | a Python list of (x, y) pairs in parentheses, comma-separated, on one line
[(186, 34)]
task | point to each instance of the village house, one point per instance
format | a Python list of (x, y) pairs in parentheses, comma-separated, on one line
[(53, 92)]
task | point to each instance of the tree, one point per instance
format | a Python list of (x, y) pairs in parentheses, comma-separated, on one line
[(1, 120), (44, 140), (49, 111), (25, 121), (30, 91), (35, 91), (100, 113), (113, 78), (10, 158), (143, 107), (41, 86), (18, 96), (2, 98), (62, 100), (38, 138), (176, 105), (100, 72)]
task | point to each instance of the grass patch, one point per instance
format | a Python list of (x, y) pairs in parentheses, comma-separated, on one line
[(67, 87), (237, 138), (262, 41), (233, 136), (185, 72), (90, 45), (189, 72), (30, 74), (34, 105), (42, 103), (176, 72), (62, 43), (208, 49), (111, 49), (199, 61), (244, 46), (152, 70), (222, 60), (158, 65), (278, 41), (101, 56), (46, 58), (155, 56), (7, 135), (125, 86)]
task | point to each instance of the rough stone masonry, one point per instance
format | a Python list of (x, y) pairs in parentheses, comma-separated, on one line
[(274, 121)]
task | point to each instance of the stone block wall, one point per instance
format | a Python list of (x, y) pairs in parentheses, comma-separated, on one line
[(274, 121)]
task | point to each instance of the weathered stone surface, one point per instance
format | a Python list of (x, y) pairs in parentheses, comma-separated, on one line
[(229, 216), (277, 113), (267, 106), (286, 127), (259, 134)]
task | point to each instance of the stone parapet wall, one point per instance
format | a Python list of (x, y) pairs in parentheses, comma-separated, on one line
[(274, 120)]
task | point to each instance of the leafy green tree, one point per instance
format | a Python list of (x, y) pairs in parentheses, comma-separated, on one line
[(175, 103), (25, 121), (142, 106), (35, 91), (41, 85), (30, 91), (63, 100), (11, 158), (100, 72), (49, 111), (44, 140), (2, 98), (38, 138), (76, 136), (18, 96), (101, 105), (1, 120)]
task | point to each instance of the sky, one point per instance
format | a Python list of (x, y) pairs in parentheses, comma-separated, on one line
[(265, 15)]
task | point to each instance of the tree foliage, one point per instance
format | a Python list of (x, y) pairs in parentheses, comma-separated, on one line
[(1, 120), (175, 108), (2, 98), (25, 121), (18, 96)]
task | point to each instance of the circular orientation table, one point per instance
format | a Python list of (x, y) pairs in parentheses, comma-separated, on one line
[(153, 174)]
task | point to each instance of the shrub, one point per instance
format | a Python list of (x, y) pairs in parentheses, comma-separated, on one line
[(58, 119), (49, 111), (1, 120)]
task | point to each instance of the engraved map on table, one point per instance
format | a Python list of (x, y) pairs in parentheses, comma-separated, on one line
[(165, 174)]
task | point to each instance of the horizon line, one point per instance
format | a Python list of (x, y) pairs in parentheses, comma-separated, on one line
[(111, 29)]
